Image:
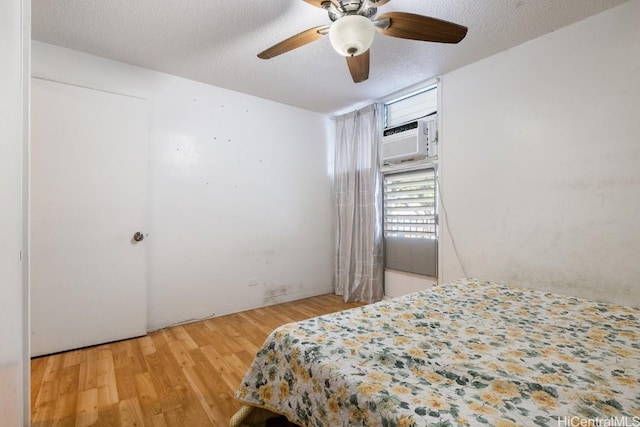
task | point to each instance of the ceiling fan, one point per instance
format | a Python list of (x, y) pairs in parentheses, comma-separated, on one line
[(353, 27)]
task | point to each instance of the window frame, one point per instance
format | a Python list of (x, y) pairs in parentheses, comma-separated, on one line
[(409, 254)]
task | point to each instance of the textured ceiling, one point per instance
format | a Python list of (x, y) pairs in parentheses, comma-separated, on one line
[(216, 41)]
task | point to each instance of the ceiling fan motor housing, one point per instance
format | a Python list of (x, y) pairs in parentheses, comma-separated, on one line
[(339, 8)]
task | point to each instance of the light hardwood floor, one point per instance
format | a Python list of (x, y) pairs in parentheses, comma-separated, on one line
[(179, 376)]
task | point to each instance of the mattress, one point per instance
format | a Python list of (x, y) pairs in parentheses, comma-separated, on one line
[(464, 353)]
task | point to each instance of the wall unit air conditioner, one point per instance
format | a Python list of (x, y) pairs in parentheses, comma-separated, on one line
[(411, 141)]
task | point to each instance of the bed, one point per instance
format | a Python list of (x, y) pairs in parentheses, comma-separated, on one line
[(465, 353)]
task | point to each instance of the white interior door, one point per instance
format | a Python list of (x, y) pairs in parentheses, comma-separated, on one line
[(88, 198)]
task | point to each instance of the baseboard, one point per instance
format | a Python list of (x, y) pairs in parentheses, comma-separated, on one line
[(236, 307)]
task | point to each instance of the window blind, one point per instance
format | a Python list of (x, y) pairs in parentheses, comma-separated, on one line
[(411, 107), (410, 205)]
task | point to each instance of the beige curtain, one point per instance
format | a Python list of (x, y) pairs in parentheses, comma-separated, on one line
[(358, 274)]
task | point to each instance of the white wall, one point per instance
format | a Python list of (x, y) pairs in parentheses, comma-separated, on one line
[(397, 283), (14, 371), (240, 190), (540, 162)]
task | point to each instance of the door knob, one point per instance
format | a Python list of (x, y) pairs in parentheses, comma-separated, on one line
[(138, 236)]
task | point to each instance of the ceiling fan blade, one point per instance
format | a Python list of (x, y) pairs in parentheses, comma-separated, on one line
[(296, 41), (318, 3), (359, 66), (423, 28)]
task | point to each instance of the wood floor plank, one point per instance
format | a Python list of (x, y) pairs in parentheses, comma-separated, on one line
[(48, 393), (37, 375), (245, 357), (74, 357), (161, 383), (130, 413), (69, 378), (125, 385), (159, 421), (129, 353), (181, 354), (168, 335), (211, 386), (199, 332), (186, 339), (147, 345), (53, 367), (199, 387), (148, 397), (87, 408), (106, 382), (158, 339), (109, 416), (175, 418), (42, 414), (65, 406), (180, 376), (88, 375)]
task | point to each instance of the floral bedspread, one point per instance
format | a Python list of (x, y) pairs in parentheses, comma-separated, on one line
[(464, 353)]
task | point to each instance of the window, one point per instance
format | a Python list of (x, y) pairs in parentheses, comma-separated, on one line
[(410, 222), (409, 188), (414, 106), (410, 204)]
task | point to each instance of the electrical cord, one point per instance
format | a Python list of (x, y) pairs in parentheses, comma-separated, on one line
[(448, 227)]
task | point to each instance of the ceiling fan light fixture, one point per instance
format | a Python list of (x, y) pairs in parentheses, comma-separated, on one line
[(352, 35)]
